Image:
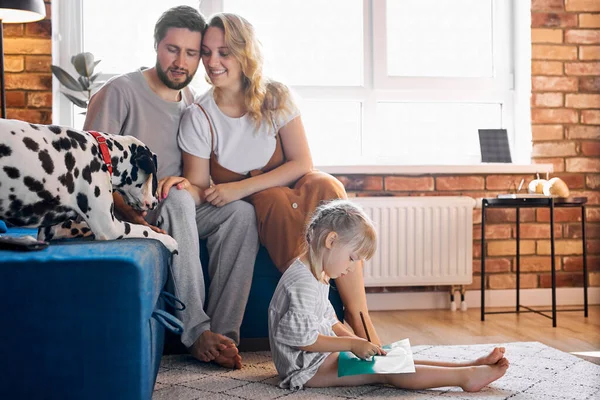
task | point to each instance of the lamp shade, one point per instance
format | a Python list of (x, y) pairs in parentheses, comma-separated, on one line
[(21, 11)]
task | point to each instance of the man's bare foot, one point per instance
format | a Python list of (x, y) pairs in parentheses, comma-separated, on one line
[(210, 345), (492, 358), (483, 375)]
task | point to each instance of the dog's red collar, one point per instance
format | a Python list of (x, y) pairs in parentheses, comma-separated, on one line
[(103, 149)]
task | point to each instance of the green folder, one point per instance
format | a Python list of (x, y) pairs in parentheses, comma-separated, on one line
[(399, 360)]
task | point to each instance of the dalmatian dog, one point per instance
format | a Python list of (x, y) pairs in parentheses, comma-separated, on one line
[(61, 180)]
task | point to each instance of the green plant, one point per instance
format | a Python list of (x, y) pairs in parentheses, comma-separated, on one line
[(84, 64)]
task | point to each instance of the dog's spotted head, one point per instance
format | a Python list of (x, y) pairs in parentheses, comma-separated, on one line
[(135, 177)]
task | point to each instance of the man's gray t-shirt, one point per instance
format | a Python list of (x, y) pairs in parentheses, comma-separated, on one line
[(126, 105)]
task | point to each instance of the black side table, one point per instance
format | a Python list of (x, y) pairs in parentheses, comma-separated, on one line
[(535, 202)]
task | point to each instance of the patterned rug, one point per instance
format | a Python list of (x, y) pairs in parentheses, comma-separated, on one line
[(536, 372)]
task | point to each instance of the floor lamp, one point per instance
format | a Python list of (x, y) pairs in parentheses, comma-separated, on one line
[(16, 12)]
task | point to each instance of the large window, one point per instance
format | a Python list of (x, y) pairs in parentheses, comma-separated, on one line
[(378, 81)]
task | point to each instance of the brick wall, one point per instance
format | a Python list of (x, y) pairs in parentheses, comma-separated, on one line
[(27, 60), (566, 133)]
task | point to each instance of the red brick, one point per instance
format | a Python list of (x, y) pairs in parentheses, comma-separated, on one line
[(583, 100), (593, 246), (15, 99), (590, 149), (583, 132), (583, 165), (573, 181), (553, 52), (592, 182), (38, 63), (12, 30), (29, 81), (545, 83), (589, 53), (546, 35), (493, 231), (41, 28), (592, 214), (459, 183), (562, 280), (582, 68), (582, 5), (39, 99), (589, 20), (558, 164), (538, 231), (509, 247), (590, 117), (27, 46), (506, 182), (593, 196), (554, 115), (537, 264), (547, 5), (589, 84), (582, 36), (575, 263), (553, 20), (14, 64), (361, 182), (561, 247), (594, 279), (560, 215), (554, 149), (547, 68), (500, 215), (492, 265), (32, 116), (573, 231), (477, 215), (547, 132), (547, 100), (476, 248), (527, 281), (401, 183)]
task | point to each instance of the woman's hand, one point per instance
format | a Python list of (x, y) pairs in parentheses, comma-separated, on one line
[(165, 184), (364, 349), (225, 193)]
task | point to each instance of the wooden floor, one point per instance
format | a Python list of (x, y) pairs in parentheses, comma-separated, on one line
[(574, 332)]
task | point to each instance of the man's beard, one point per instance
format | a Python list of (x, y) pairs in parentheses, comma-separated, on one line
[(162, 75)]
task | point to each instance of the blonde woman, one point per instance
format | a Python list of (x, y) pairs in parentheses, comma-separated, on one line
[(246, 134)]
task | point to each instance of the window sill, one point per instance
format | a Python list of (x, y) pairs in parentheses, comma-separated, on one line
[(483, 168)]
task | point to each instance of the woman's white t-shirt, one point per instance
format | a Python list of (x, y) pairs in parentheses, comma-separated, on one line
[(239, 146)]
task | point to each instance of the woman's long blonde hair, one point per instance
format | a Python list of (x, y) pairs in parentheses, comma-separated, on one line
[(265, 99), (352, 226)]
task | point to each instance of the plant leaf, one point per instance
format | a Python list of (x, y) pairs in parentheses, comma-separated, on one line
[(77, 101), (84, 82), (95, 76), (67, 80), (84, 64)]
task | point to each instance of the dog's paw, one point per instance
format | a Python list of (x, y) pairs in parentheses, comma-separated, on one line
[(170, 243)]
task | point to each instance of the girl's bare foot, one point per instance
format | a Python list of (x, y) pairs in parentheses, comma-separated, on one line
[(483, 375), (211, 345), (492, 358)]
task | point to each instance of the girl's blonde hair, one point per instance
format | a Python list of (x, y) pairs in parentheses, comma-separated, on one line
[(352, 226), (265, 99)]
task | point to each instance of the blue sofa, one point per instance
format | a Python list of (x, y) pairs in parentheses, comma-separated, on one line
[(86, 319)]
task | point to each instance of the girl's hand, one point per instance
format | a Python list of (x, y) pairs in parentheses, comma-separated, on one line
[(364, 349), (225, 193), (167, 183)]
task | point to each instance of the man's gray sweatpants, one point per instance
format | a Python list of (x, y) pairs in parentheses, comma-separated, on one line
[(233, 243)]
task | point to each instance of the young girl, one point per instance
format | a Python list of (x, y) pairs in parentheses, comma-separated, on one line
[(305, 335)]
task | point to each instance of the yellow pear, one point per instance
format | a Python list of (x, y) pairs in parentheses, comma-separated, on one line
[(536, 186), (556, 187)]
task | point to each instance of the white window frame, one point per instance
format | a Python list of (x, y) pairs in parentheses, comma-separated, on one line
[(510, 86)]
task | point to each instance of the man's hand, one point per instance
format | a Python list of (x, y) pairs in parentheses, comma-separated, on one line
[(225, 193), (165, 184), (124, 212)]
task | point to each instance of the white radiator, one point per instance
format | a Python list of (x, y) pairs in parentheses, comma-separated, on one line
[(421, 240)]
